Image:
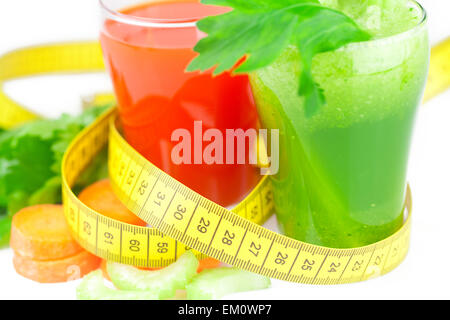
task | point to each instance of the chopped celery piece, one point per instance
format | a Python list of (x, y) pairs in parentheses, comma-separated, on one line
[(216, 283), (164, 283), (93, 288)]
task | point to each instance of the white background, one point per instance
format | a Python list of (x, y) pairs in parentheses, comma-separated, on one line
[(423, 275)]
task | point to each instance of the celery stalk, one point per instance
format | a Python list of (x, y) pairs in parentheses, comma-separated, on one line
[(216, 283), (93, 288), (164, 283)]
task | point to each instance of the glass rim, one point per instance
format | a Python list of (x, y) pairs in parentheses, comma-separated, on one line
[(422, 20), (396, 36), (190, 22)]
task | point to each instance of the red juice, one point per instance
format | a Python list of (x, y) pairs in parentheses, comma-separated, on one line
[(156, 96)]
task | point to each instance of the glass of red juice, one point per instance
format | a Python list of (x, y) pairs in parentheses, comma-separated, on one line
[(147, 46)]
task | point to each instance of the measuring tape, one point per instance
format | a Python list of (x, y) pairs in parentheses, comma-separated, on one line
[(183, 219), (77, 57), (439, 74)]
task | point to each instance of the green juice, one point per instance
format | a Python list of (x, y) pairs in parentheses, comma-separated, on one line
[(342, 176)]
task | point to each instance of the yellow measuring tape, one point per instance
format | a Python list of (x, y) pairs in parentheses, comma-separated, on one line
[(188, 219), (48, 59), (439, 75), (183, 219)]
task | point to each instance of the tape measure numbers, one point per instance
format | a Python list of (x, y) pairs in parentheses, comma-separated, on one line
[(140, 246), (181, 218)]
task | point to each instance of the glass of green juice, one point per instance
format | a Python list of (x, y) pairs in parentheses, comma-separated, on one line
[(342, 177)]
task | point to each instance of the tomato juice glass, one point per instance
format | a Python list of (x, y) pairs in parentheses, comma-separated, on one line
[(147, 46)]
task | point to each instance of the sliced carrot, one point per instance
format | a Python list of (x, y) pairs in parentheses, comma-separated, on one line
[(62, 270), (208, 263), (101, 198), (41, 233)]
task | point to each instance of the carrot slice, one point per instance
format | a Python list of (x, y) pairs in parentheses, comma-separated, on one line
[(51, 271), (208, 263), (101, 198), (41, 233), (103, 266)]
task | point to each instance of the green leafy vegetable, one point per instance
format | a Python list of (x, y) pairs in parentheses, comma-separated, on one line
[(261, 30), (30, 162), (5, 228)]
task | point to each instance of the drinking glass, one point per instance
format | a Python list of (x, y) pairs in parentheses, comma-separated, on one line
[(342, 177), (147, 46)]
